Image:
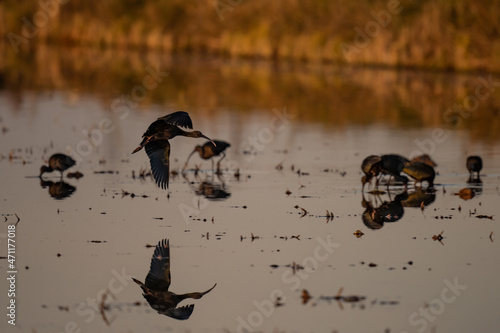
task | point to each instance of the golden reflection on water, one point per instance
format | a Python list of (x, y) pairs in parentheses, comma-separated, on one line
[(334, 96)]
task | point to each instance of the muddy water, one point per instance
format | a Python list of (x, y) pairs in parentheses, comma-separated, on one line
[(281, 229)]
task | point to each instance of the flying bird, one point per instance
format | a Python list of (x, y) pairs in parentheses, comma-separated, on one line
[(156, 137)]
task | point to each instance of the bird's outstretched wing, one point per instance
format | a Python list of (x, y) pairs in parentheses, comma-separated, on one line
[(158, 277), (181, 313), (159, 154), (179, 118)]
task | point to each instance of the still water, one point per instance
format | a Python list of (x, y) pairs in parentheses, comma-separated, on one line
[(276, 231)]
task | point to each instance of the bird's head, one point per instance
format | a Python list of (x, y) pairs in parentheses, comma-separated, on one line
[(198, 134), (44, 169), (366, 179)]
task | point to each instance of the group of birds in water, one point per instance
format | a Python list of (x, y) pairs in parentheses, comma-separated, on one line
[(420, 168), (156, 143)]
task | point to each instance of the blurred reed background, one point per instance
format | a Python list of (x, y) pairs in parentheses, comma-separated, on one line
[(440, 34), (231, 53)]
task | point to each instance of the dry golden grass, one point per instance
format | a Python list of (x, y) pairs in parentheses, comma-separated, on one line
[(443, 34)]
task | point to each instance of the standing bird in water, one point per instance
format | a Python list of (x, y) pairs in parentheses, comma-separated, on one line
[(157, 146), (393, 165), (474, 164), (209, 150), (424, 158), (155, 288), (59, 162), (371, 166), (420, 172)]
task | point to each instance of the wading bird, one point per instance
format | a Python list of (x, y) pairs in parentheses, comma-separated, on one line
[(393, 165), (155, 288), (156, 137), (208, 150), (59, 162), (420, 172), (474, 164), (424, 158), (371, 166)]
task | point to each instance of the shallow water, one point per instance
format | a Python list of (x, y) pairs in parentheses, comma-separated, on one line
[(72, 250)]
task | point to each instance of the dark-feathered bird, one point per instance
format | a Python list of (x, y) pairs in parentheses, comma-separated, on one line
[(157, 146), (393, 165), (474, 164), (155, 288), (208, 150), (424, 158), (371, 166), (420, 172), (59, 162)]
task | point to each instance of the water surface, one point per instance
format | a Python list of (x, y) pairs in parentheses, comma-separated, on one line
[(298, 138)]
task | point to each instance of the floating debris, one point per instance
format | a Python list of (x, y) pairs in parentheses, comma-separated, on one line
[(491, 236), (438, 237), (305, 296), (329, 216), (76, 175), (466, 193), (277, 302), (133, 195), (106, 172), (484, 217), (288, 192), (96, 241), (358, 233)]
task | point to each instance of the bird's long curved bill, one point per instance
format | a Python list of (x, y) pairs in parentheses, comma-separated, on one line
[(210, 140)]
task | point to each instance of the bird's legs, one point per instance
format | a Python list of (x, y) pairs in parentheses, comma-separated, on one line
[(143, 143), (218, 163), (187, 161)]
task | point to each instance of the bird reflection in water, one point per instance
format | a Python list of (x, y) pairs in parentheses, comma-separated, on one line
[(209, 188), (58, 190), (212, 191), (155, 288), (375, 215), (420, 197), (475, 165)]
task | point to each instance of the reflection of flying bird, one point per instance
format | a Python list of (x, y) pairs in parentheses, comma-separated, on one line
[(474, 164), (208, 150), (420, 172), (371, 166), (58, 190), (155, 288), (156, 137), (59, 162)]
